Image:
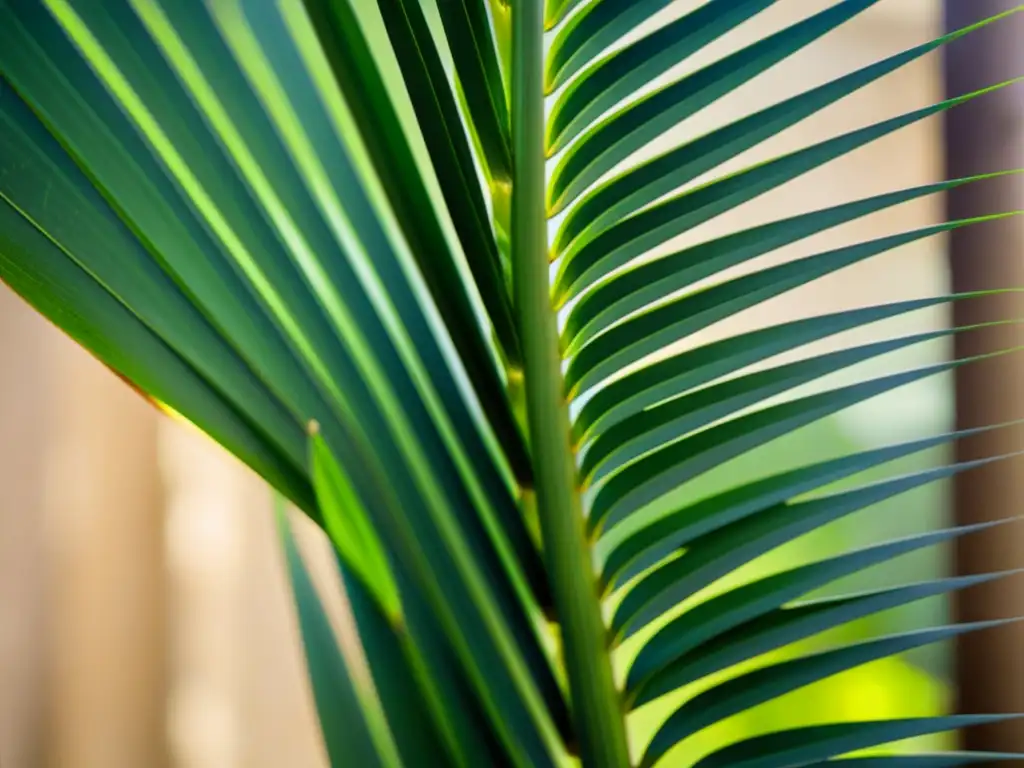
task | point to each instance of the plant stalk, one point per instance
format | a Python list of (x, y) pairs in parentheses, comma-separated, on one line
[(596, 706)]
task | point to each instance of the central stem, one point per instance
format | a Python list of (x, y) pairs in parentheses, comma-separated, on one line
[(597, 711)]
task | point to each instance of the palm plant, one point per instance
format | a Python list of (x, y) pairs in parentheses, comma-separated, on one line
[(386, 254)]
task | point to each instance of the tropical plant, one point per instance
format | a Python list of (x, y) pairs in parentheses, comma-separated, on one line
[(388, 254)]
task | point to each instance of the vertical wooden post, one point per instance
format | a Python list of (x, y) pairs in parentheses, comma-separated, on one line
[(988, 135), (24, 429), (240, 696), (106, 515)]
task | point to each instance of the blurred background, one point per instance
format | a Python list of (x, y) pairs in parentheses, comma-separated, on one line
[(144, 615)]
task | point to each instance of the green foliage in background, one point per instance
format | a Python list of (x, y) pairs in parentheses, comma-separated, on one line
[(395, 256)]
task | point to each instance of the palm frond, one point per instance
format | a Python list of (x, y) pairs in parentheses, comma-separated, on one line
[(351, 242)]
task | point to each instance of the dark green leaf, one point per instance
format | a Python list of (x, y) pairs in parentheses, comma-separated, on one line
[(350, 528), (310, 329), (42, 182), (783, 626), (484, 508), (723, 613), (447, 601), (676, 418), (591, 31), (399, 327), (666, 533), (935, 760), (163, 115), (801, 746), (388, 338), (556, 10), (672, 376), (655, 328), (585, 263), (629, 191), (350, 719), (366, 93), (39, 59), (724, 550), (753, 688), (646, 283), (438, 114), (613, 78), (430, 710), (374, 302), (418, 743), (60, 290), (648, 478), (475, 55), (618, 136)]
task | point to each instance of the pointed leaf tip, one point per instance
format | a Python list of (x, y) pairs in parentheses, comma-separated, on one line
[(350, 527)]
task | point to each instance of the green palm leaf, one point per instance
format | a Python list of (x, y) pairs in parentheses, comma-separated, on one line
[(787, 625), (938, 760), (324, 233), (748, 690), (647, 283), (616, 137), (354, 726), (586, 262), (722, 551), (658, 535), (741, 624), (608, 80), (801, 744)]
